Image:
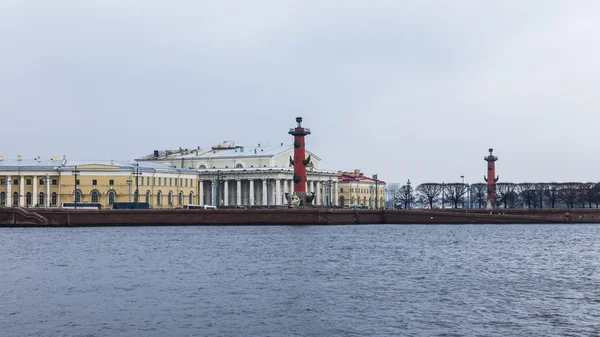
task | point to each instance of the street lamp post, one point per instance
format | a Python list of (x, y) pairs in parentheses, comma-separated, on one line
[(137, 173), (75, 194), (376, 191)]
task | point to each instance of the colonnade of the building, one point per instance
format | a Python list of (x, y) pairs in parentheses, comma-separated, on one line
[(17, 197), (262, 192)]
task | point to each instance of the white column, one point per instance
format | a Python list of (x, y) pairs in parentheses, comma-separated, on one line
[(47, 191), (238, 192), (277, 192), (34, 197), (251, 197), (335, 190), (226, 193), (201, 192), (285, 190), (264, 192), (22, 192), (318, 188), (9, 191)]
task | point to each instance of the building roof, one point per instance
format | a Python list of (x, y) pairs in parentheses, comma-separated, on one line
[(226, 149), (33, 164), (356, 176)]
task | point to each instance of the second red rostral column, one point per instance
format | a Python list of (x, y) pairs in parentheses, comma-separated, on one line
[(491, 179)]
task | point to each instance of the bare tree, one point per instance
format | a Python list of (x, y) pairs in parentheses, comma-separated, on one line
[(585, 194), (429, 192), (595, 195), (455, 193), (538, 194), (570, 193), (392, 189), (552, 193), (479, 194), (506, 193), (404, 197), (527, 193)]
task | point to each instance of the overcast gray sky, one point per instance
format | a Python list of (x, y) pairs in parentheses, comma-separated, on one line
[(405, 89)]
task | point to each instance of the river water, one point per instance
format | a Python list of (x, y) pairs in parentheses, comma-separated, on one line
[(410, 280)]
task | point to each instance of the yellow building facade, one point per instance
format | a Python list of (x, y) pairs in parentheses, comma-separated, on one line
[(357, 190), (50, 183)]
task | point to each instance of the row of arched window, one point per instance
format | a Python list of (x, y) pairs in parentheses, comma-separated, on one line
[(28, 199), (94, 195)]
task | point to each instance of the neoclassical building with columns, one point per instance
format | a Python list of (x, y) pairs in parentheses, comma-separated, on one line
[(236, 175)]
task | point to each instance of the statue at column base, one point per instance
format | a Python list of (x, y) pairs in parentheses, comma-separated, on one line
[(299, 199), (489, 205)]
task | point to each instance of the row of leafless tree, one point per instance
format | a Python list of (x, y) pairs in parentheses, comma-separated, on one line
[(508, 195)]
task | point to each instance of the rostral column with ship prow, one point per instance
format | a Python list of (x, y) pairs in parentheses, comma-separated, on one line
[(299, 197), (491, 180)]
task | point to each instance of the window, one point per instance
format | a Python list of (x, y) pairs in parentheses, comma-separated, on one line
[(159, 181), (111, 198), (170, 198), (54, 198), (16, 182), (15, 199), (2, 198), (170, 181), (153, 180), (77, 182), (202, 166), (191, 183), (181, 182), (95, 196), (94, 182), (42, 182), (186, 183), (191, 198), (54, 182), (136, 195), (239, 166), (28, 182), (111, 182), (2, 181), (41, 199), (77, 196), (180, 199), (158, 197), (148, 197), (342, 190), (28, 198), (147, 180), (176, 182)]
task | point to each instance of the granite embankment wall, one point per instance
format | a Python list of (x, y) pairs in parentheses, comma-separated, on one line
[(173, 217)]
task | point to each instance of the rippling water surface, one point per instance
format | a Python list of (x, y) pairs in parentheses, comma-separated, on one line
[(518, 280)]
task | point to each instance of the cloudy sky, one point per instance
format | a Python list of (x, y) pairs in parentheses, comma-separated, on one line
[(407, 89)]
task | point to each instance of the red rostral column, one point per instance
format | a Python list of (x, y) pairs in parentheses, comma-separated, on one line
[(300, 162), (491, 179)]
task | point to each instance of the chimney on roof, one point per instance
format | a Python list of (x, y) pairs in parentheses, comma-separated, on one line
[(155, 153), (19, 157), (53, 158), (281, 143), (254, 151)]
